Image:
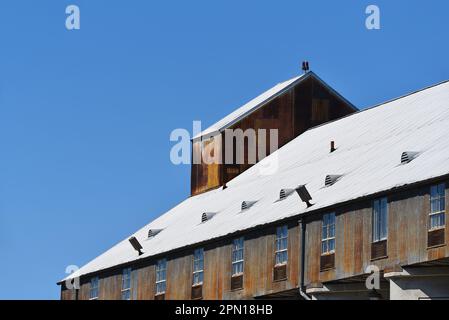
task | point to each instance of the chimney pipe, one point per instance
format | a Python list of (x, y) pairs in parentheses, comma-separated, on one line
[(136, 245), (305, 66), (304, 195), (333, 146)]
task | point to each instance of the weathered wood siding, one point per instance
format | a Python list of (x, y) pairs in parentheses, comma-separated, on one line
[(179, 277), (67, 294), (408, 221), (306, 105), (146, 282), (205, 177), (258, 268), (259, 254)]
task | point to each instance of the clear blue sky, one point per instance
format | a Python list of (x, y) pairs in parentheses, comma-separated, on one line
[(85, 116)]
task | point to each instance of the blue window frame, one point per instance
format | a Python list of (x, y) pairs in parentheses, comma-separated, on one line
[(161, 276), (237, 256), (281, 253), (437, 207), (198, 267), (380, 219), (93, 292), (126, 284), (328, 234)]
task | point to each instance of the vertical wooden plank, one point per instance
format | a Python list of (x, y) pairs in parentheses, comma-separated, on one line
[(146, 282), (447, 220), (358, 243), (367, 235), (293, 256), (84, 292), (179, 277), (211, 260), (313, 251)]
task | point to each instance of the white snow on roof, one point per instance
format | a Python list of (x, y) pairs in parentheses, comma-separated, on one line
[(249, 107), (369, 147)]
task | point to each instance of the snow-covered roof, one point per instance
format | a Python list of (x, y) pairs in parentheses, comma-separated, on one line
[(369, 147), (259, 101)]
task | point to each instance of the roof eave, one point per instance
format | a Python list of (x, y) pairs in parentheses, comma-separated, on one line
[(299, 215), (271, 98)]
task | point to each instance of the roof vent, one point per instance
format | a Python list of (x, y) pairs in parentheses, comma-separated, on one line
[(136, 245), (331, 179), (207, 216), (247, 204), (333, 146), (153, 232), (305, 66), (285, 193), (304, 194), (408, 156)]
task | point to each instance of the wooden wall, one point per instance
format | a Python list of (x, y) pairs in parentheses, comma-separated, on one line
[(408, 219), (67, 294), (205, 177), (259, 251), (407, 245), (306, 105)]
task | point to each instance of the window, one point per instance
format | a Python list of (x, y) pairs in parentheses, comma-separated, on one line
[(281, 245), (328, 234), (380, 220), (198, 267), (93, 294), (126, 284), (437, 207), (237, 256), (161, 276)]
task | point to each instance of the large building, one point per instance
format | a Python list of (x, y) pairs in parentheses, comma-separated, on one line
[(353, 193)]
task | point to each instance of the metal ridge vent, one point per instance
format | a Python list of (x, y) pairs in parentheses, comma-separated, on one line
[(206, 216), (284, 193), (247, 204), (408, 156), (331, 179), (153, 232)]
